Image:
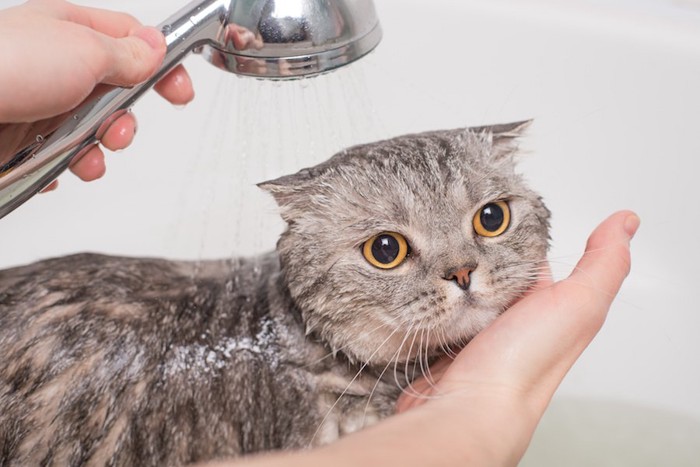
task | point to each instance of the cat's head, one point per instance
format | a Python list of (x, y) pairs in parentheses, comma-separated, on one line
[(417, 242)]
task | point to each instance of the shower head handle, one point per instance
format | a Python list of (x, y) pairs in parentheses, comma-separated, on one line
[(260, 38)]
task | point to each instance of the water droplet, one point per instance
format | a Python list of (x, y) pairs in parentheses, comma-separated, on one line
[(166, 29), (39, 139), (76, 117)]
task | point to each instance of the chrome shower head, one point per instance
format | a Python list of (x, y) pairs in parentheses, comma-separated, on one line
[(274, 39), (293, 38)]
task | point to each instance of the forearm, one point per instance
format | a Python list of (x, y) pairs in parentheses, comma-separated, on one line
[(442, 432)]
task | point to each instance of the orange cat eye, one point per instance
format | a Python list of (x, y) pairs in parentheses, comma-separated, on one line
[(386, 250), (492, 219)]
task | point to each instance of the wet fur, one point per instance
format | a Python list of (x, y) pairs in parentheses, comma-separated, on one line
[(123, 361)]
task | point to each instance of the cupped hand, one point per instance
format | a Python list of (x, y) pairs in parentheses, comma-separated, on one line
[(506, 376), (482, 408), (62, 54)]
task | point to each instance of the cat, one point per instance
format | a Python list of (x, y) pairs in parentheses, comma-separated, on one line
[(394, 253)]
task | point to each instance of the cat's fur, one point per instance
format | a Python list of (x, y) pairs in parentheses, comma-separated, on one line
[(119, 361)]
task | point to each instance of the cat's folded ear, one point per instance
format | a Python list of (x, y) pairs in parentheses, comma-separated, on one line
[(503, 137), (288, 189), (287, 183)]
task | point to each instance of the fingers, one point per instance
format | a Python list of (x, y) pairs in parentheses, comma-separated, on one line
[(127, 53), (91, 166), (133, 59), (111, 23), (116, 51), (176, 86), (120, 135), (606, 261), (132, 52), (582, 301)]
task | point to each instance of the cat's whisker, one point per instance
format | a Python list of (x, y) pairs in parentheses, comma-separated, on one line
[(408, 389), (354, 378), (419, 356), (376, 384), (396, 363), (423, 355), (349, 344), (392, 322), (427, 374), (400, 347), (445, 346), (408, 359)]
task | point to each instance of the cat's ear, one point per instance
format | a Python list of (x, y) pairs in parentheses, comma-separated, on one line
[(503, 137), (288, 189)]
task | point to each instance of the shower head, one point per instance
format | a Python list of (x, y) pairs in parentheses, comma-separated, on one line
[(293, 38), (277, 39), (272, 39)]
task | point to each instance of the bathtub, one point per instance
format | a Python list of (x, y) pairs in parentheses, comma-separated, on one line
[(614, 90)]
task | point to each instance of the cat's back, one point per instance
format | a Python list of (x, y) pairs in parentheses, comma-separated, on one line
[(87, 280), (123, 360), (89, 299)]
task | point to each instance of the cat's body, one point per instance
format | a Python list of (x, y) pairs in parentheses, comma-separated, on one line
[(137, 358), (150, 362)]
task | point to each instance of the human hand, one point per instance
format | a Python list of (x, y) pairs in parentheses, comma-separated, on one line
[(483, 407), (508, 374), (62, 54)]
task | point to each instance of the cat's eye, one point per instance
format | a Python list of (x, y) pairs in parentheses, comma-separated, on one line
[(386, 250), (492, 219)]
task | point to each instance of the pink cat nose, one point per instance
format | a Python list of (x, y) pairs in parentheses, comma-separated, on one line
[(461, 277)]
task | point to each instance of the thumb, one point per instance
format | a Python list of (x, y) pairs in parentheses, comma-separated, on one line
[(134, 58)]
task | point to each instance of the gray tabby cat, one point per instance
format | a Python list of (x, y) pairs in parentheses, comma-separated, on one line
[(394, 252)]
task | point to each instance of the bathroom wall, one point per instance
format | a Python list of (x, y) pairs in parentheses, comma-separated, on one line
[(613, 88)]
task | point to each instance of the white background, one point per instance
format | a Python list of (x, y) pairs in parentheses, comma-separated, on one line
[(614, 88)]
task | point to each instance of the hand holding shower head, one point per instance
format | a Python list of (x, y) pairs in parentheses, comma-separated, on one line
[(275, 39)]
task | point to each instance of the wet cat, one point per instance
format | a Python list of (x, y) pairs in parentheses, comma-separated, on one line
[(393, 252)]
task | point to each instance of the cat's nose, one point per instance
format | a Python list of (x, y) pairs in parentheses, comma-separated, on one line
[(461, 276)]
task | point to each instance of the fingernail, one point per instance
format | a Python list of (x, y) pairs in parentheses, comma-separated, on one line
[(631, 225), (152, 37), (181, 80)]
